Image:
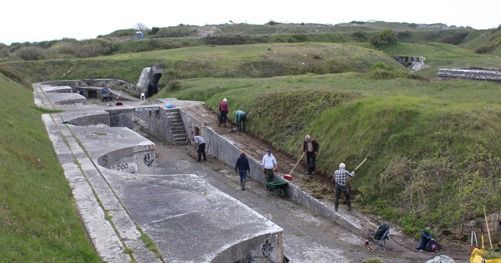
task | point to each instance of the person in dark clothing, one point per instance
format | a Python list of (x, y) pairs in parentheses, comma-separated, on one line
[(310, 147), (243, 168), (223, 112), (200, 141), (426, 236)]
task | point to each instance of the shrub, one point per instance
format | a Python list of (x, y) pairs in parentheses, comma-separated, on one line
[(455, 38), (154, 30), (30, 53), (485, 49), (86, 48), (387, 37), (359, 36), (381, 70), (272, 23)]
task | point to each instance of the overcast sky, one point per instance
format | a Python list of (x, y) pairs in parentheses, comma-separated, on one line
[(38, 20)]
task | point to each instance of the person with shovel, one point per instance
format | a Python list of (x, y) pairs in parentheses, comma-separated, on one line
[(310, 147), (200, 141), (341, 180)]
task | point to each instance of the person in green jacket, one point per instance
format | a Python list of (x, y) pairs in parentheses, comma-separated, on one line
[(240, 118)]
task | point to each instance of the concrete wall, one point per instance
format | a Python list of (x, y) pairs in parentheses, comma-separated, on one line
[(121, 118), (155, 122), (130, 160), (112, 83), (472, 74), (265, 248)]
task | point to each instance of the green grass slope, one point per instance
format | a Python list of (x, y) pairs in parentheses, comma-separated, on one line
[(260, 60), (38, 217), (433, 146), (488, 41)]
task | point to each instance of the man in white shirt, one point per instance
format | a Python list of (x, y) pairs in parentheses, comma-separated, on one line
[(200, 141), (269, 164)]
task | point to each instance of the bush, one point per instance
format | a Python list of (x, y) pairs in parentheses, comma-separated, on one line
[(154, 30), (485, 49), (387, 37), (228, 40), (381, 70), (359, 36), (30, 53), (455, 38), (86, 48)]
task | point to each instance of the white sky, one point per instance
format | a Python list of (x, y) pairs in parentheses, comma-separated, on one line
[(39, 20)]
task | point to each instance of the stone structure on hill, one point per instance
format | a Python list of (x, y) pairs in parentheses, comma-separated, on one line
[(148, 81), (470, 73), (413, 62)]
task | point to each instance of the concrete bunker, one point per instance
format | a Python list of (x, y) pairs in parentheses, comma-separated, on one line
[(119, 152)]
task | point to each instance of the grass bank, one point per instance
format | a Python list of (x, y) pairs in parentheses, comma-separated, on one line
[(260, 60), (38, 217), (431, 144)]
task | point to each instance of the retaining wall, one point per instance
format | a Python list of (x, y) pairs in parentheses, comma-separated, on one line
[(155, 122), (472, 74)]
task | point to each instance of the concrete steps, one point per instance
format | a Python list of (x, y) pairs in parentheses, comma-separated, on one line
[(176, 127)]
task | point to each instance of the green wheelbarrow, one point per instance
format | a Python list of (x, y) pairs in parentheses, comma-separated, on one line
[(278, 186)]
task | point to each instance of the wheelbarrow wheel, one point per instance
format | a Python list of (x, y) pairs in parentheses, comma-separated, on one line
[(281, 192)]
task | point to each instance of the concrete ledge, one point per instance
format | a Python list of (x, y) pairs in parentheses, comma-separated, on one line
[(66, 98), (87, 117)]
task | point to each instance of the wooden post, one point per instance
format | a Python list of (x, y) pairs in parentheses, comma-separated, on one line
[(488, 231)]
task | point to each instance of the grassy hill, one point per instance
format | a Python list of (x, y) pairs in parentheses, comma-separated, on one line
[(38, 217), (487, 41), (259, 60), (431, 144)]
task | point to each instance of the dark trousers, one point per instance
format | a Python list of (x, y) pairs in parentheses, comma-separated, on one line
[(346, 191), (201, 151), (268, 173), (310, 161), (223, 117), (243, 177), (241, 124)]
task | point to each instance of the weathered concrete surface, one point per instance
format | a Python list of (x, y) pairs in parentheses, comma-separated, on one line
[(114, 84), (66, 98), (88, 117), (308, 237), (470, 73), (212, 236)]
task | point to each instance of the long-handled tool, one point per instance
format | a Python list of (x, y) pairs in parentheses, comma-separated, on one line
[(289, 175), (361, 164)]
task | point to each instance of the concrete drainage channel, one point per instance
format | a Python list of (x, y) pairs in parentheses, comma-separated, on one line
[(146, 217)]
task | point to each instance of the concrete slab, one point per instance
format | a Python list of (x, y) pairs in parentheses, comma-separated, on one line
[(65, 98)]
